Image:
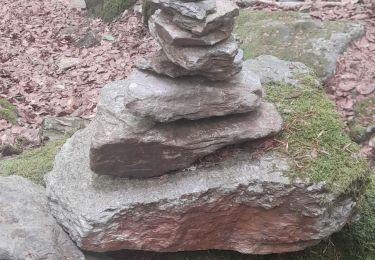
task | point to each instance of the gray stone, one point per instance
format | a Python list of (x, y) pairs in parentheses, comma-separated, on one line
[(271, 69), (225, 13), (27, 230), (217, 62), (79, 4), (66, 63), (158, 62), (173, 35), (54, 128), (164, 99), (241, 202), (295, 36), (193, 9), (89, 39), (121, 139)]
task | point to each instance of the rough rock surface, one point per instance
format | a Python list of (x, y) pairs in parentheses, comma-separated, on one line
[(225, 13), (295, 36), (173, 35), (27, 230), (271, 69), (164, 99), (159, 63), (242, 203), (120, 139), (54, 128), (193, 9), (217, 62)]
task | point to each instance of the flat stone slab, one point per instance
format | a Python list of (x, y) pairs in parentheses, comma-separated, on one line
[(27, 229), (197, 10), (120, 139), (163, 99), (174, 35), (159, 63), (217, 62), (225, 13), (271, 69), (295, 36), (243, 203)]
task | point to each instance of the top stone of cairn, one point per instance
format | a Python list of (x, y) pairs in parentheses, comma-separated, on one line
[(195, 39)]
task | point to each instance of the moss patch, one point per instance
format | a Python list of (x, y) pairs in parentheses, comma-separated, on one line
[(294, 36), (108, 9), (361, 234), (8, 111), (364, 116), (33, 164), (313, 136)]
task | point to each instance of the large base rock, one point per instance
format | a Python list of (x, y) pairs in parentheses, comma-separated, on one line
[(130, 146), (27, 230), (242, 202)]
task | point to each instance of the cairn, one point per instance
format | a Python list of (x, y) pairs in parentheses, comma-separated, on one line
[(185, 101)]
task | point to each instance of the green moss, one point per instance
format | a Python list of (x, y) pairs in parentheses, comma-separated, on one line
[(363, 118), (313, 136), (8, 111), (362, 232), (108, 9), (33, 164), (289, 36)]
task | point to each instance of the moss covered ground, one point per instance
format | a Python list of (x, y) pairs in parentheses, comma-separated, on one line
[(32, 164), (314, 138), (290, 36), (8, 111)]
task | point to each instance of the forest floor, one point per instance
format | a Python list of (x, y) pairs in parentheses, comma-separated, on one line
[(54, 60)]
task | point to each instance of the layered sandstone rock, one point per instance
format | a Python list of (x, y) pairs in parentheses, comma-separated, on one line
[(195, 44), (190, 100), (163, 99), (242, 201), (127, 145)]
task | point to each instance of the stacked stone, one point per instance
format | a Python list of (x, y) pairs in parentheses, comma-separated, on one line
[(196, 39), (188, 100)]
